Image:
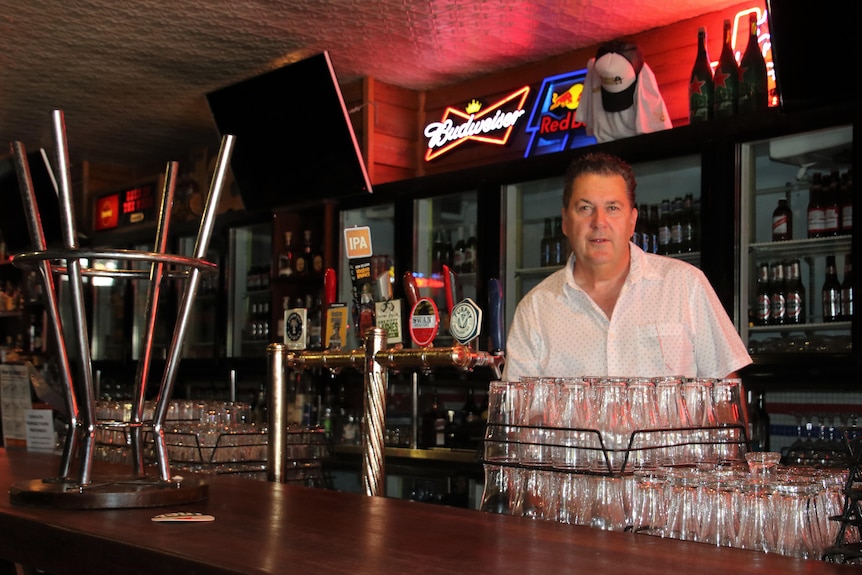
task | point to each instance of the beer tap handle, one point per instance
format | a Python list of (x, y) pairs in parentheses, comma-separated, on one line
[(329, 288), (495, 317), (449, 285), (411, 290)]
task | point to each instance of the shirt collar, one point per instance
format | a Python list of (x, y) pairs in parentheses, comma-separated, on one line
[(641, 268)]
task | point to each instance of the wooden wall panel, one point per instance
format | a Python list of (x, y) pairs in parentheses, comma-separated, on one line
[(392, 138)]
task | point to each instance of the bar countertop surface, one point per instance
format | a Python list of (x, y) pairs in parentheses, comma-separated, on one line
[(264, 527)]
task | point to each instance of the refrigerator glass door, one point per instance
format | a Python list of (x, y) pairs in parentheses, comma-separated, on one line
[(381, 223), (789, 168), (249, 297), (445, 233), (201, 337)]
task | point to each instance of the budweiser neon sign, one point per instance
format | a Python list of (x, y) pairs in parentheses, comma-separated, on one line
[(493, 125)]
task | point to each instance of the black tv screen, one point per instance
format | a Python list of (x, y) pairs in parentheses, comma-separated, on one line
[(813, 49), (294, 140), (13, 218)]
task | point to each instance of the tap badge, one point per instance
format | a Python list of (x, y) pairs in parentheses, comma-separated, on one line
[(423, 322), (294, 328), (466, 321)]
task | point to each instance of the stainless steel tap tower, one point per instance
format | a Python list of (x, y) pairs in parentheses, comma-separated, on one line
[(375, 361)]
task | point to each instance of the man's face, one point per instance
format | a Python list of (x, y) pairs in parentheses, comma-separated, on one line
[(599, 221)]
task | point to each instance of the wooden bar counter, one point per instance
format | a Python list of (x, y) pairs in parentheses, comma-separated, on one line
[(263, 527)]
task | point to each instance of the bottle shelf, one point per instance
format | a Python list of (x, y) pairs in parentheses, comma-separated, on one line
[(802, 327), (801, 248)]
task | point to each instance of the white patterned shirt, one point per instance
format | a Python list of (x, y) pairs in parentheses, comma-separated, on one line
[(667, 321)]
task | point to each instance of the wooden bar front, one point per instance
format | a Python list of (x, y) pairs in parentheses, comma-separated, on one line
[(264, 527)]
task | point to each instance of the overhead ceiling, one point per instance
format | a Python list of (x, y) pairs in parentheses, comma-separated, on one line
[(131, 75)]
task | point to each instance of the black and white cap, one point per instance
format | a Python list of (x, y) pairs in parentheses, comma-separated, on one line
[(618, 64)]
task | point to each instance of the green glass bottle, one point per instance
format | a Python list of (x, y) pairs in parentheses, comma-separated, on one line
[(700, 87), (726, 78), (753, 86)]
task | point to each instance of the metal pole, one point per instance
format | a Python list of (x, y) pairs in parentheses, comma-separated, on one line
[(276, 413), (374, 408)]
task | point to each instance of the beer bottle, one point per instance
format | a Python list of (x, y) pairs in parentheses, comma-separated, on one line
[(779, 295), (763, 296), (560, 251), (438, 253), (816, 215), (286, 257), (795, 296), (546, 244), (641, 228), (753, 86), (471, 262), (758, 422), (700, 86), (846, 200), (726, 78), (676, 226), (664, 225), (831, 207), (459, 252), (847, 290), (831, 292), (653, 228), (646, 228), (688, 224), (782, 222)]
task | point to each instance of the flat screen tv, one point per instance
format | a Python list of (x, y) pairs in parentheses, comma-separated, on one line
[(294, 140), (13, 219), (814, 48)]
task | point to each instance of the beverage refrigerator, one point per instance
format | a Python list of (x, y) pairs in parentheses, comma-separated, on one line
[(247, 273), (809, 324), (532, 213)]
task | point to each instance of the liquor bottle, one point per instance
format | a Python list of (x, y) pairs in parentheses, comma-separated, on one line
[(782, 222), (763, 296), (315, 321), (701, 90), (460, 252), (470, 410), (846, 201), (664, 228), (438, 253), (795, 294), (434, 424), (726, 78), (758, 422), (676, 226), (448, 250), (560, 249), (654, 228), (688, 223), (816, 215), (753, 85), (831, 206), (286, 258), (779, 295), (847, 290), (831, 292), (546, 244), (317, 261), (471, 262)]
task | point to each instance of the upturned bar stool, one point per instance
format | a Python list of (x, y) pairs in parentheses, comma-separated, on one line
[(77, 489)]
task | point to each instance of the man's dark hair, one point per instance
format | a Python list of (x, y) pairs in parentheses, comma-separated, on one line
[(603, 164)]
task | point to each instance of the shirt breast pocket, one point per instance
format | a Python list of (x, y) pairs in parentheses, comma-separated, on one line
[(668, 349)]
